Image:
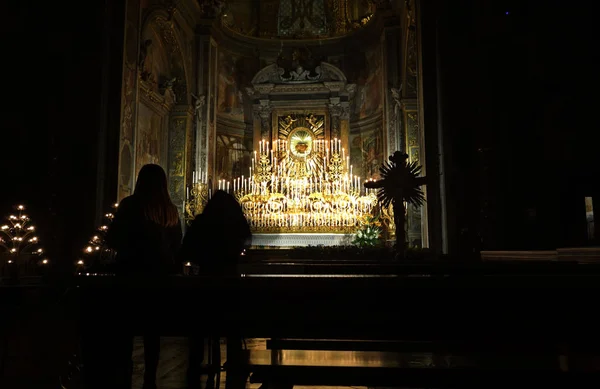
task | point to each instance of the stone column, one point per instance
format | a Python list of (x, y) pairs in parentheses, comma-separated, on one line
[(392, 56), (262, 121), (335, 110), (180, 126), (339, 114), (206, 119), (129, 100), (199, 134)]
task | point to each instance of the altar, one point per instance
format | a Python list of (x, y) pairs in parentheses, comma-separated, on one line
[(290, 240), (300, 188)]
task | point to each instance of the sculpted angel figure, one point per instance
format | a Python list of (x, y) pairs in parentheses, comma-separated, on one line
[(300, 74), (314, 122), (287, 122)]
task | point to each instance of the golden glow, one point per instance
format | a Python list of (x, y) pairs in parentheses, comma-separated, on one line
[(302, 185), (16, 237)]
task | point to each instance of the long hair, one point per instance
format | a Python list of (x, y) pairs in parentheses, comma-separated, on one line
[(225, 211), (151, 190), (223, 206)]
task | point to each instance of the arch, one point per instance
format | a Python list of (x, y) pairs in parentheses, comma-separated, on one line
[(159, 20)]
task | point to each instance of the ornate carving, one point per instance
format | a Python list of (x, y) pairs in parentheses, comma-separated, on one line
[(264, 89), (199, 146), (345, 114), (211, 8), (301, 88), (313, 122), (413, 129), (176, 159), (335, 111), (168, 33), (153, 96), (262, 112), (299, 18), (411, 60), (276, 74), (395, 118)]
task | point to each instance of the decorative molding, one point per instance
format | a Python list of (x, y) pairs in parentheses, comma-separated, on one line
[(273, 74), (168, 33), (395, 132), (199, 146), (153, 97), (300, 88), (262, 112)]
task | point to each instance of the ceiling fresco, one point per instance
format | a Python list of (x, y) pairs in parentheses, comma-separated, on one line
[(296, 19)]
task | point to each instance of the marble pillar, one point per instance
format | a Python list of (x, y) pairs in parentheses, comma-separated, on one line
[(180, 135)]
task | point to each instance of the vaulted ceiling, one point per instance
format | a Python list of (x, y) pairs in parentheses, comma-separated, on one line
[(296, 19)]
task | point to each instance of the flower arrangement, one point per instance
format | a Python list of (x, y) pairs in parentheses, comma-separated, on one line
[(369, 234)]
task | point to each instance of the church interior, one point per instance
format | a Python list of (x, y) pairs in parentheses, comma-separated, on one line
[(292, 106), (196, 86), (289, 105)]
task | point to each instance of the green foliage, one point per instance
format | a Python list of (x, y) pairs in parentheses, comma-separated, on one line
[(369, 234)]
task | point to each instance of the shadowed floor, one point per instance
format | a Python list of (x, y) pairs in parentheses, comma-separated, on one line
[(173, 363)]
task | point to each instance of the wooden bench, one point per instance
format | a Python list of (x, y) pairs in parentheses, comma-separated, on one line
[(284, 369), (450, 347)]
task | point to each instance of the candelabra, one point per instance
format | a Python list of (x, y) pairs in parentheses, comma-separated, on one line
[(96, 255), (21, 246), (302, 185), (197, 195)]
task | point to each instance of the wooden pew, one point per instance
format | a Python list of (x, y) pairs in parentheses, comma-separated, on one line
[(284, 369), (543, 311)]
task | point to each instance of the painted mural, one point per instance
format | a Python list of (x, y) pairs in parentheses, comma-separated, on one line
[(230, 100), (369, 94), (128, 99), (366, 152), (149, 138), (153, 60), (233, 157)]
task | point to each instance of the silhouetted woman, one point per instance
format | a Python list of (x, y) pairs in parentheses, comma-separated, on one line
[(215, 241), (217, 236), (146, 233)]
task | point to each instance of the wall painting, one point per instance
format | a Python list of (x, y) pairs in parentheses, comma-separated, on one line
[(233, 157), (149, 138), (230, 100)]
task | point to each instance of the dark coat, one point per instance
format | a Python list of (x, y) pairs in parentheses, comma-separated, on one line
[(215, 244), (143, 247)]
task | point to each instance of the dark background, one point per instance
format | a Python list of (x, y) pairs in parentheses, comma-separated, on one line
[(519, 97)]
